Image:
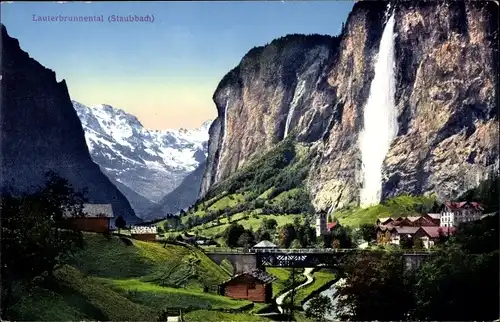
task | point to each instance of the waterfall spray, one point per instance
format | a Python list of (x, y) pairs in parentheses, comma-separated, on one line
[(299, 91), (380, 119)]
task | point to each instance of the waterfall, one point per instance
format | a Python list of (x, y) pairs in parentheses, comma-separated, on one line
[(330, 209), (224, 135), (299, 91), (380, 119)]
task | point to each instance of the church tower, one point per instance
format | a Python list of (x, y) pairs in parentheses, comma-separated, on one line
[(321, 227)]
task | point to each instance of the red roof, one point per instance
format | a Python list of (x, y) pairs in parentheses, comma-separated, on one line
[(433, 231), (460, 205), (331, 225)]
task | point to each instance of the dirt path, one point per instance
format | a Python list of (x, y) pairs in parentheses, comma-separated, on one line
[(310, 279)]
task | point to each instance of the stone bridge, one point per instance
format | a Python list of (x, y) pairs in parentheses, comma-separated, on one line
[(244, 260)]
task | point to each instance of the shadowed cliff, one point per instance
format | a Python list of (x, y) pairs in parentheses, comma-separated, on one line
[(41, 131)]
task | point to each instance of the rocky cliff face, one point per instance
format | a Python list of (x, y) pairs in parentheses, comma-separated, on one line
[(41, 131), (315, 88)]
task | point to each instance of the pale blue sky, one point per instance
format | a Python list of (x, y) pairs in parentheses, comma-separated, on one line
[(163, 72)]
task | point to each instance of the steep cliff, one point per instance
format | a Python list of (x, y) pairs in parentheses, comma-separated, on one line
[(41, 131), (315, 89)]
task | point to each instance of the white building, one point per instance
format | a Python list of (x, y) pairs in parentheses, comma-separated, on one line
[(139, 230), (454, 213)]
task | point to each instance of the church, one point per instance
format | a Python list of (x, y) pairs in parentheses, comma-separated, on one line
[(323, 227)]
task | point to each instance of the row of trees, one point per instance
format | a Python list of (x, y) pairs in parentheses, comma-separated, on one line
[(459, 283)]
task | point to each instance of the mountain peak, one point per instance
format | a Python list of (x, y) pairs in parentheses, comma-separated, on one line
[(151, 163)]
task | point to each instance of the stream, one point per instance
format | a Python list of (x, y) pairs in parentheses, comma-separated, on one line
[(330, 293)]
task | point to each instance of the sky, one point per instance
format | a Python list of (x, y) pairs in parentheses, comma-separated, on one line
[(164, 71)]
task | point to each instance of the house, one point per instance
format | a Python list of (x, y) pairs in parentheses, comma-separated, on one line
[(434, 217), (323, 227), (386, 234), (96, 218), (417, 221), (144, 233), (254, 285), (390, 221), (384, 221), (409, 231), (430, 234), (265, 244), (392, 234), (454, 213)]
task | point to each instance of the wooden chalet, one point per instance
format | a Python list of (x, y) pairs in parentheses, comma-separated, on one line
[(254, 285), (96, 218)]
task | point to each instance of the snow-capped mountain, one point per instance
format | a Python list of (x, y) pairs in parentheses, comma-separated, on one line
[(150, 163)]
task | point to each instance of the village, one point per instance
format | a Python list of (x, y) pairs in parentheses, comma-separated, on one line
[(417, 232), (426, 228)]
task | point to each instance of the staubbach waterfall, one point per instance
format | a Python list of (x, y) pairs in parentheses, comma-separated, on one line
[(380, 119)]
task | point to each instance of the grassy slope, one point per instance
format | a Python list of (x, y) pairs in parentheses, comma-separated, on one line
[(321, 278), (112, 281), (282, 275), (251, 222), (256, 181), (398, 206), (149, 262), (74, 296)]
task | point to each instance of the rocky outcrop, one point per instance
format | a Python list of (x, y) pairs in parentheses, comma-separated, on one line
[(41, 132), (446, 66)]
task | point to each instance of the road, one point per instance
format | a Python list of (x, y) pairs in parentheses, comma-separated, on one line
[(308, 274)]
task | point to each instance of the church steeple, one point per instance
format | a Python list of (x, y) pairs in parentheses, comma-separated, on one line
[(321, 225)]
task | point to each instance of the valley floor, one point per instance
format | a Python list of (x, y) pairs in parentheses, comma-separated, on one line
[(122, 279)]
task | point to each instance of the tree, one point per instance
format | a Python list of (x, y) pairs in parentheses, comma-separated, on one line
[(262, 235), (246, 239), (287, 234), (342, 234), (470, 259), (477, 297), (368, 232), (295, 244), (297, 223), (270, 224), (120, 223), (418, 243), (306, 234), (35, 240), (232, 234), (406, 242), (319, 307), (376, 288)]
